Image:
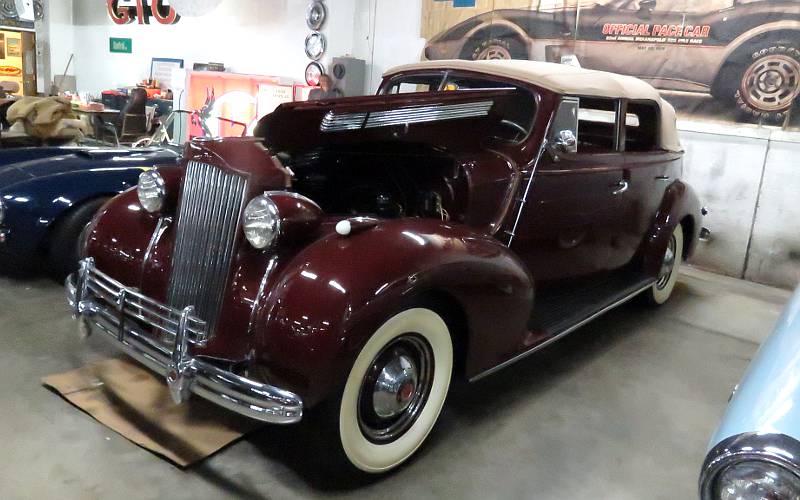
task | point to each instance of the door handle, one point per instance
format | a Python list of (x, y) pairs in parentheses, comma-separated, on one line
[(662, 177), (621, 187)]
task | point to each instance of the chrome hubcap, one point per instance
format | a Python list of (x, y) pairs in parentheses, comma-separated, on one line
[(667, 264), (772, 83), (395, 388)]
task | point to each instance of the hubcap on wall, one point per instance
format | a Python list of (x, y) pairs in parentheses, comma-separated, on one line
[(772, 82), (395, 388), (667, 265)]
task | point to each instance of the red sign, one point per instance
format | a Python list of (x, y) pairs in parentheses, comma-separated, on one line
[(126, 11), (10, 71)]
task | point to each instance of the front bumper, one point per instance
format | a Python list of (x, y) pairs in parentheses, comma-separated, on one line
[(90, 294)]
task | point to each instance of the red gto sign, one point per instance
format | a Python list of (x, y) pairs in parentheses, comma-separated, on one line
[(125, 11)]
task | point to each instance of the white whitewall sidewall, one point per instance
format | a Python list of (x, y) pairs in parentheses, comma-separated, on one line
[(660, 296), (375, 458)]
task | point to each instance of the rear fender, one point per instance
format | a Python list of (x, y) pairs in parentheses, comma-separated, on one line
[(679, 205), (334, 294)]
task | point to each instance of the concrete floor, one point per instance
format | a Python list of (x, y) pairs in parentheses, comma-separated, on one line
[(620, 409)]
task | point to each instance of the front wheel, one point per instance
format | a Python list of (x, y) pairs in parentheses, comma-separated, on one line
[(769, 81), (63, 248), (661, 290), (395, 390)]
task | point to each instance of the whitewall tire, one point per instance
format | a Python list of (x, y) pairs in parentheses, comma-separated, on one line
[(661, 290), (395, 390)]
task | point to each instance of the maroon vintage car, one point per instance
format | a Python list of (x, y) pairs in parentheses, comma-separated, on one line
[(359, 252)]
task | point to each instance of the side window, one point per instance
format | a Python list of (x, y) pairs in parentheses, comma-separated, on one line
[(642, 126), (410, 84), (597, 125)]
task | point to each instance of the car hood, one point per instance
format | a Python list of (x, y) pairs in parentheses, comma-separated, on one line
[(10, 175), (81, 160)]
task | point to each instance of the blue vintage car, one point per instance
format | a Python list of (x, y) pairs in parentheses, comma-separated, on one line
[(755, 452), (49, 194)]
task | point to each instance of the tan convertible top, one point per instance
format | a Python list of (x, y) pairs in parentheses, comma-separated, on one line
[(567, 80)]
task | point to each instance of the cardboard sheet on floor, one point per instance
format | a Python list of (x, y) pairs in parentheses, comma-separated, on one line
[(136, 403)]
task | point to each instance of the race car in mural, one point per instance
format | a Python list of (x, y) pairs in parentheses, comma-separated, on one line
[(745, 52)]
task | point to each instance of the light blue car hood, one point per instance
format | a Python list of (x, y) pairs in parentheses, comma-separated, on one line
[(768, 397)]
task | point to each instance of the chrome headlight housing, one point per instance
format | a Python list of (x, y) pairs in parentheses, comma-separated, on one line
[(755, 480), (152, 191), (752, 466), (262, 223)]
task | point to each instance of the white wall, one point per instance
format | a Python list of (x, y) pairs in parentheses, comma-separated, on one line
[(249, 36), (750, 179), (387, 34)]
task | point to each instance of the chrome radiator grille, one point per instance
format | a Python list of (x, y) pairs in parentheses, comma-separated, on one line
[(210, 209)]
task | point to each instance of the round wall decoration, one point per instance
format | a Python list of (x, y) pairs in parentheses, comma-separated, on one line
[(313, 73), (315, 45), (316, 15)]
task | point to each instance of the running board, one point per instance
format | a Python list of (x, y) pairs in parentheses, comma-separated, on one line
[(566, 331)]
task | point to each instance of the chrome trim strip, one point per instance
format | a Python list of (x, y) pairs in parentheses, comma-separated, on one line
[(335, 122), (262, 290), (531, 171), (247, 397), (559, 335), (777, 449), (345, 121), (161, 226)]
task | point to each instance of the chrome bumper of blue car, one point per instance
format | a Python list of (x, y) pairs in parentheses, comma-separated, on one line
[(90, 294)]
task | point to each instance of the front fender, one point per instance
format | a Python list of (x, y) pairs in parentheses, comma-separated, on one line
[(34, 205), (336, 292), (679, 205)]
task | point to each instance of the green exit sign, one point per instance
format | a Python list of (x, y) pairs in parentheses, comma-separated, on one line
[(120, 45)]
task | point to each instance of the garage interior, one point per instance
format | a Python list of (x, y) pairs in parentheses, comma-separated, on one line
[(621, 408), (625, 407)]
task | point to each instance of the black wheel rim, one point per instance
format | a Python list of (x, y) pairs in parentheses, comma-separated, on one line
[(395, 388)]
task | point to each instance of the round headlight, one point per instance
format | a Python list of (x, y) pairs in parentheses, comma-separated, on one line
[(755, 480), (151, 190), (261, 222)]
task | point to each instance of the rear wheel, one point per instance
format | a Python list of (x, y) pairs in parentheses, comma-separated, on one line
[(395, 391), (63, 248), (764, 80), (504, 47), (661, 290)]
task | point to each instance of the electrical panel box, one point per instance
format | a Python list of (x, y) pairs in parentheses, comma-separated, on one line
[(349, 75)]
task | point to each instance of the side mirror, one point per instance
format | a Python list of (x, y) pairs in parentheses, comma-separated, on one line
[(566, 142)]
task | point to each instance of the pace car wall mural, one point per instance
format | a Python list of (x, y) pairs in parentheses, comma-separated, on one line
[(732, 60)]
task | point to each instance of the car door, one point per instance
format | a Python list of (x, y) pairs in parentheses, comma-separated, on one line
[(573, 212), (627, 37), (650, 171)]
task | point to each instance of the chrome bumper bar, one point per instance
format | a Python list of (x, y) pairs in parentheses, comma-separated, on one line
[(90, 294)]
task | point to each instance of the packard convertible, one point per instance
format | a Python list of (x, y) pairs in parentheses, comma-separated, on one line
[(359, 252)]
